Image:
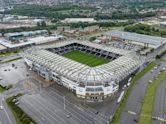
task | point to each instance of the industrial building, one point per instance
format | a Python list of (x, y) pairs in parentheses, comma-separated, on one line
[(90, 83), (163, 24), (137, 39), (21, 35), (76, 20), (30, 41)]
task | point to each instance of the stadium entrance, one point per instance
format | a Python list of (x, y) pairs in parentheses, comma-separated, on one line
[(96, 98)]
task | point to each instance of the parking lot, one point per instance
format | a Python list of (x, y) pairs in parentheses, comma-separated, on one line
[(54, 103), (13, 72), (51, 107)]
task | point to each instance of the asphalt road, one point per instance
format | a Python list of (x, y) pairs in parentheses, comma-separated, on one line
[(136, 97), (160, 103), (5, 114), (9, 58), (50, 108)]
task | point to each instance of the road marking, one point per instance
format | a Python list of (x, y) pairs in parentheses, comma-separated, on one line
[(159, 118), (132, 113), (6, 112)]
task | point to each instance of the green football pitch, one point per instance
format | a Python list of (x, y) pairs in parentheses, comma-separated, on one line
[(84, 58)]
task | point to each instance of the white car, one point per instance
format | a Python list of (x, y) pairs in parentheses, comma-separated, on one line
[(150, 81), (17, 103), (155, 67), (124, 87), (68, 115), (1, 107)]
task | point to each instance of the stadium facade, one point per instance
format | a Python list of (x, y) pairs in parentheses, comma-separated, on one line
[(92, 83)]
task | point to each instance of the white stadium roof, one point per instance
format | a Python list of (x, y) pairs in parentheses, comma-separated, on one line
[(80, 73)]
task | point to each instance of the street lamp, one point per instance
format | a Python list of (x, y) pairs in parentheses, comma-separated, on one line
[(64, 106)]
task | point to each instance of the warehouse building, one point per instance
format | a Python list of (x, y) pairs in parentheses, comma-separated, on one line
[(21, 35), (76, 20), (137, 39), (30, 41)]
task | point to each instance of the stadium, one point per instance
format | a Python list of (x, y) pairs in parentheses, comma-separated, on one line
[(92, 71)]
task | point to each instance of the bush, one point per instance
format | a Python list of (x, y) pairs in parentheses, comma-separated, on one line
[(92, 38)]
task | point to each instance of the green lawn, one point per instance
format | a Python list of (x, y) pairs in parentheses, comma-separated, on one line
[(9, 53), (117, 115), (84, 58), (148, 105), (1, 89)]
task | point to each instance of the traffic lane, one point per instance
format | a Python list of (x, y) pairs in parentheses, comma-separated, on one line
[(75, 110), (105, 109), (101, 118), (37, 108), (136, 97), (3, 118), (108, 107), (10, 58), (51, 110), (160, 103), (135, 100)]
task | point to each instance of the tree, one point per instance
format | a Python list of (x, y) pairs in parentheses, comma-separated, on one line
[(92, 38), (43, 24), (3, 32), (38, 24)]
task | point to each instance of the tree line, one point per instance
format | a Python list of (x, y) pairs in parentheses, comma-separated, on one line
[(146, 29), (72, 25)]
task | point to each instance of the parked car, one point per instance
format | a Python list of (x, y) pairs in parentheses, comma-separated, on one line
[(1, 107)]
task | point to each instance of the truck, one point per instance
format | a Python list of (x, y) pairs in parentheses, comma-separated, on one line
[(129, 81)]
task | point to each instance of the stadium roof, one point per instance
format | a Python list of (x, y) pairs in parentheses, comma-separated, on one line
[(80, 73), (153, 40), (94, 45)]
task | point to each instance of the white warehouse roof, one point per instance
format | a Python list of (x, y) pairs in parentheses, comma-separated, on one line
[(152, 40), (35, 40), (74, 20)]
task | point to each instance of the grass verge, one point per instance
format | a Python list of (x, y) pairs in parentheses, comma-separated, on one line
[(20, 116), (9, 53), (3, 88), (148, 104), (117, 115)]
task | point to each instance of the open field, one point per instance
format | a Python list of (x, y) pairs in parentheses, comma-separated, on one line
[(87, 59), (148, 104)]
